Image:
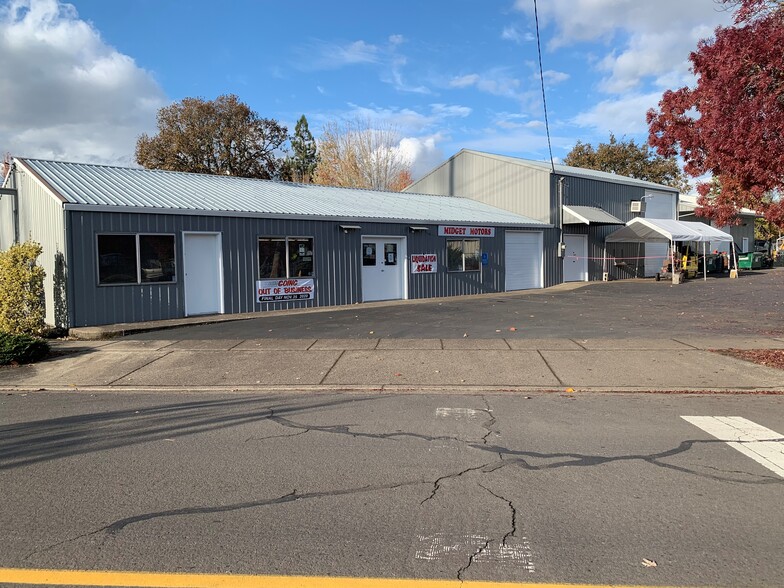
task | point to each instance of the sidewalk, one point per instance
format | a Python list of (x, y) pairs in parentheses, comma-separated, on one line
[(468, 365)]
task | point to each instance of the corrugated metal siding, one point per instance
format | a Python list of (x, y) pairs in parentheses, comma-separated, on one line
[(738, 232), (6, 221), (615, 199), (520, 189), (41, 218), (337, 264)]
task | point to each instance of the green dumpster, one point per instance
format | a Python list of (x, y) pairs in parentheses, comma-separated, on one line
[(745, 260), (756, 262)]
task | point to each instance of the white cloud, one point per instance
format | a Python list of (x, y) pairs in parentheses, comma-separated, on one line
[(396, 39), (65, 93), (323, 55), (512, 33), (625, 115), (406, 120), (422, 153), (654, 38), (464, 81), (525, 141), (554, 77), (450, 110), (496, 81)]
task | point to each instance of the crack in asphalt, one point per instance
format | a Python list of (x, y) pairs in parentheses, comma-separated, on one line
[(437, 483), (490, 422), (513, 532), (471, 558), (346, 430), (277, 436), (581, 460)]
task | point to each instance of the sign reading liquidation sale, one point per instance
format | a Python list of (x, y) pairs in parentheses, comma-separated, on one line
[(284, 289), (424, 263), (452, 231)]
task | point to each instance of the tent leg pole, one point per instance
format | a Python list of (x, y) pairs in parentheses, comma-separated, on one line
[(704, 264)]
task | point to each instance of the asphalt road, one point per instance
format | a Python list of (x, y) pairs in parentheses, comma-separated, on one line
[(752, 305), (539, 488)]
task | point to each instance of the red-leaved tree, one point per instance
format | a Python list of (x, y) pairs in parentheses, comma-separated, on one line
[(731, 125)]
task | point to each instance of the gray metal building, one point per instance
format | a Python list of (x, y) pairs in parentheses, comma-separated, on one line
[(742, 233), (585, 205), (128, 245)]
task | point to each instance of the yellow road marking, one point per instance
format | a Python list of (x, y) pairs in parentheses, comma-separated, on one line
[(162, 580)]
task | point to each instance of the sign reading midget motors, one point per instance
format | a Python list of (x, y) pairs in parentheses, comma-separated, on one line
[(454, 231), (286, 289)]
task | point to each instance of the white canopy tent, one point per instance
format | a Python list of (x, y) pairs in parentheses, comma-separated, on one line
[(663, 230)]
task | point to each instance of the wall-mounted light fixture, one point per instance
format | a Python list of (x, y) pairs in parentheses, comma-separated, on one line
[(347, 228)]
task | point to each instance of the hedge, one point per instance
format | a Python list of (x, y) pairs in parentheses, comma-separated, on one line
[(21, 348)]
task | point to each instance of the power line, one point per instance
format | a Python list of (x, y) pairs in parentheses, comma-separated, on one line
[(541, 77)]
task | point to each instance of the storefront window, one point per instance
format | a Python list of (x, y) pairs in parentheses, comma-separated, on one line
[(285, 257), (120, 257), (156, 256), (463, 255), (117, 259), (369, 254)]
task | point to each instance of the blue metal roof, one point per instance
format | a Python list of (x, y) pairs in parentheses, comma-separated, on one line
[(89, 185)]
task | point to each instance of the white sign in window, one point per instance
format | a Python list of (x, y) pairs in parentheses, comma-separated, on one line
[(281, 290), (424, 263)]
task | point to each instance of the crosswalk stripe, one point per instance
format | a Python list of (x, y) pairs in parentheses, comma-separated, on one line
[(761, 444)]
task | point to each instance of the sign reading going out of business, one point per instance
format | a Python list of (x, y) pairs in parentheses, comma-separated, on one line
[(284, 289), (424, 263), (452, 231)]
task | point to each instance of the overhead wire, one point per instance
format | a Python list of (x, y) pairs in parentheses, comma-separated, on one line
[(541, 78)]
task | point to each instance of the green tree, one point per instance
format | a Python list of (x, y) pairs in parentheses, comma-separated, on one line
[(301, 165), (627, 158), (222, 136), (22, 290)]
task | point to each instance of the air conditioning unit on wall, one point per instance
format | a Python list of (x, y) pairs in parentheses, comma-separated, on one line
[(636, 206)]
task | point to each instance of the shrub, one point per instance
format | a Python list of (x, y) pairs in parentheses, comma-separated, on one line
[(21, 348), (22, 289)]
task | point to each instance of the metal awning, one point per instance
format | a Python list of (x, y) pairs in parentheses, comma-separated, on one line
[(588, 215), (662, 230)]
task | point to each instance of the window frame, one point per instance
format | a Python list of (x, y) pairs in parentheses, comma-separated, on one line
[(463, 256), (286, 239), (137, 246)]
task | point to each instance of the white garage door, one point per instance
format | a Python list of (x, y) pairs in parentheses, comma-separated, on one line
[(523, 260)]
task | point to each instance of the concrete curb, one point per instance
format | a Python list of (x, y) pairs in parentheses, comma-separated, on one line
[(389, 390)]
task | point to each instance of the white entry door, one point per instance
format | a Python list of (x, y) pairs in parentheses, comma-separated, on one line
[(203, 273), (575, 263), (383, 268)]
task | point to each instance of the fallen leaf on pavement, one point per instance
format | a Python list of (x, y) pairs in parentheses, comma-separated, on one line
[(649, 563), (512, 328)]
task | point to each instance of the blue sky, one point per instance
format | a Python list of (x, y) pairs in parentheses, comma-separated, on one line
[(83, 79)]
